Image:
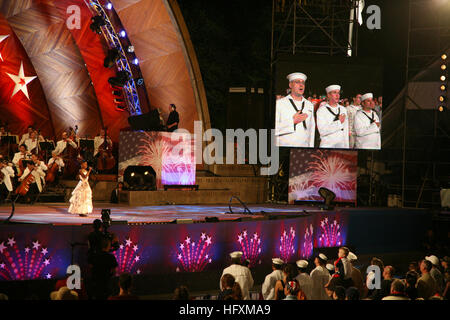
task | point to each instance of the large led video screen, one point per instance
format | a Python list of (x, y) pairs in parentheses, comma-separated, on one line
[(328, 102)]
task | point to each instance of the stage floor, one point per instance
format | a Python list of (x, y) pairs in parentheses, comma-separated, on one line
[(56, 213)]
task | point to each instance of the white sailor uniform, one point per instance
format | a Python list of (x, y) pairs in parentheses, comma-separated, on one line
[(289, 134), (333, 133), (367, 131)]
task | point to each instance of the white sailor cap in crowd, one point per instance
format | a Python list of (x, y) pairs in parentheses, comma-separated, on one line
[(330, 267), (352, 257), (302, 263), (323, 257), (433, 259), (366, 96), (296, 75), (277, 261), (333, 87), (236, 254)]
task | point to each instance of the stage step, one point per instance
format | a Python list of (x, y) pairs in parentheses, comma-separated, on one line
[(203, 196)]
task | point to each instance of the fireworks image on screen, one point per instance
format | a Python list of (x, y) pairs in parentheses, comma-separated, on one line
[(194, 256), (331, 172), (23, 264), (127, 257), (287, 244), (308, 242), (330, 233), (250, 247)]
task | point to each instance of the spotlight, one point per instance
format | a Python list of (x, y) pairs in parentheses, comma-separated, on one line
[(139, 81), (135, 61), (328, 197), (120, 80), (109, 6), (117, 93), (121, 108), (441, 108), (443, 87), (442, 98), (111, 58), (444, 56), (97, 23), (130, 49), (443, 67), (146, 173), (443, 78), (122, 34), (132, 174), (119, 101)]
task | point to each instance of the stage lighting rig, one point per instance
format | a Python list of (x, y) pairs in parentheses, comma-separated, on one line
[(121, 78), (97, 23), (111, 58)]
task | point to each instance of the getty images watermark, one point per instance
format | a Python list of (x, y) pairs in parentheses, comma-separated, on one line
[(74, 277), (373, 17)]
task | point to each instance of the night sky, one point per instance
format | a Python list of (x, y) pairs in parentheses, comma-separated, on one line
[(232, 42)]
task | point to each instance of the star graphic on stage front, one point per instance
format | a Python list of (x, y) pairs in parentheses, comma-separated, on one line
[(21, 81), (2, 37)]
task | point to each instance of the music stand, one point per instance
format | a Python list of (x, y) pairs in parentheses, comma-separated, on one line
[(48, 147)]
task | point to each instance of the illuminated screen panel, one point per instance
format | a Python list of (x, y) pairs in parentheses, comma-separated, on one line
[(338, 106), (310, 170)]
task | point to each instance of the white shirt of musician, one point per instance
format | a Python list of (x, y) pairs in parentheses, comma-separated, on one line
[(333, 133), (367, 132), (37, 173), (8, 173), (58, 161), (24, 138), (289, 135), (31, 144), (61, 146), (98, 141), (17, 157)]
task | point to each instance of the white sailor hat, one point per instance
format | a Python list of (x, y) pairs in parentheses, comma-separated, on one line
[(236, 254), (296, 75), (366, 96), (333, 87), (277, 261), (302, 263), (352, 257), (323, 257), (330, 267), (433, 259)]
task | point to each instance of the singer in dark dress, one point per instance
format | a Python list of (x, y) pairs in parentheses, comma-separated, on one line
[(173, 120)]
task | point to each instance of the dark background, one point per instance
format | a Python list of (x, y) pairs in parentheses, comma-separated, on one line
[(232, 42)]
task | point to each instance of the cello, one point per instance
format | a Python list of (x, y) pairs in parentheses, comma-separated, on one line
[(105, 159), (52, 172), (24, 187)]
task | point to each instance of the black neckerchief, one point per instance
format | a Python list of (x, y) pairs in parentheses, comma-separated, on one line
[(301, 111), (372, 120), (336, 116)]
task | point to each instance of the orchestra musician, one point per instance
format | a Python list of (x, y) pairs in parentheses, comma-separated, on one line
[(39, 164), (58, 161), (23, 154), (62, 144), (100, 140), (36, 184), (32, 142), (6, 185), (26, 135)]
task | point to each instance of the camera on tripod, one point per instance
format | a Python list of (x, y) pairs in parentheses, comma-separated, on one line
[(106, 223)]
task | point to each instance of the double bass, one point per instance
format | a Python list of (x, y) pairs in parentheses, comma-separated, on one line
[(70, 157), (105, 159)]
